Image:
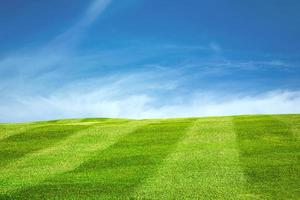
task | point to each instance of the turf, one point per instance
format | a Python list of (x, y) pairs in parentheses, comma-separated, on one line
[(241, 157)]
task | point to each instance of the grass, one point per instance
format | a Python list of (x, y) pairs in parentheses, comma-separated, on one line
[(242, 157)]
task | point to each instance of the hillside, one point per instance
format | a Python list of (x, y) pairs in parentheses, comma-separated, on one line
[(241, 157)]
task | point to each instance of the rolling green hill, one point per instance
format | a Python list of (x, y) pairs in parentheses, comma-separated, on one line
[(242, 157)]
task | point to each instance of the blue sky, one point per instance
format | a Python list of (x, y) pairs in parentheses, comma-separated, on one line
[(148, 59)]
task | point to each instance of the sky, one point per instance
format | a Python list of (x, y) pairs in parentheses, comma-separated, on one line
[(148, 59)]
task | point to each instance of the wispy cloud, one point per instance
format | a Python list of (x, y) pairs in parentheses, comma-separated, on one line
[(94, 10), (150, 91), (23, 67), (58, 49), (140, 96), (72, 36), (54, 82), (215, 47)]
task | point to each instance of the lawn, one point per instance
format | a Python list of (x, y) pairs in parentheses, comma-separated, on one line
[(240, 157)]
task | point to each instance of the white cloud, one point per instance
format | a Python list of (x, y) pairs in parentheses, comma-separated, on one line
[(139, 96), (273, 102), (146, 94)]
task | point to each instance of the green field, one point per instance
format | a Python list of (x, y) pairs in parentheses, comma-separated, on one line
[(242, 157)]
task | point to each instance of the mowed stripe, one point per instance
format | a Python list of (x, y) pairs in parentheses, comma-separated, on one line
[(33, 139), (115, 172), (205, 165), (8, 130), (270, 155), (64, 156), (292, 122), (208, 158)]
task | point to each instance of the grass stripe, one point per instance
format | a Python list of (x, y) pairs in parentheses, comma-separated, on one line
[(8, 130), (115, 172), (33, 139), (205, 165), (270, 156), (64, 156), (292, 122), (244, 157)]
